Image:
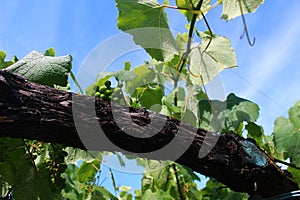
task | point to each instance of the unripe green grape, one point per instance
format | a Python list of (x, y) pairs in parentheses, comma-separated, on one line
[(108, 92), (102, 89), (102, 96), (107, 84), (97, 94)]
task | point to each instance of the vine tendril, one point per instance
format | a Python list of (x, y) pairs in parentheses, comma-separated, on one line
[(251, 43)]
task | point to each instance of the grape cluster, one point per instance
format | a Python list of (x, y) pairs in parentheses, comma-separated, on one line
[(57, 166), (108, 93)]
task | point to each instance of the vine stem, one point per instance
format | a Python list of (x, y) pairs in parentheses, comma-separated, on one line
[(177, 181), (188, 49), (193, 11), (30, 154)]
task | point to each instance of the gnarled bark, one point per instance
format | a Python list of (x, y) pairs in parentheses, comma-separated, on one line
[(33, 111)]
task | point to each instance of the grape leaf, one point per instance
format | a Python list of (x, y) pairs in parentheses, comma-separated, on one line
[(296, 174), (157, 195), (87, 171), (147, 22), (144, 75), (287, 134), (102, 193), (6, 173), (32, 184), (294, 114), (50, 52), (124, 75), (2, 60), (256, 132), (217, 57), (4, 64), (190, 5), (46, 70), (216, 190), (75, 154), (228, 115), (231, 8), (150, 97)]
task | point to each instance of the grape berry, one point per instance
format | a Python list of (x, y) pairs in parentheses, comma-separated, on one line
[(108, 93)]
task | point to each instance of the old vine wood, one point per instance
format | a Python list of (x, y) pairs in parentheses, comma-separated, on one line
[(32, 111)]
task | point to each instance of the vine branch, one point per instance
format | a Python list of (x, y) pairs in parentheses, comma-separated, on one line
[(36, 112)]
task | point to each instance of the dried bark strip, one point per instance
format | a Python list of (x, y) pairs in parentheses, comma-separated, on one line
[(33, 111)]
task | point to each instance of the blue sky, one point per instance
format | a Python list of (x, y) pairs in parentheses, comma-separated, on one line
[(268, 73)]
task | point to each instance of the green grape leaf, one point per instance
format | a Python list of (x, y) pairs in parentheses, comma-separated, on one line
[(7, 173), (156, 195), (188, 174), (144, 75), (102, 193), (256, 132), (296, 174), (2, 60), (32, 184), (46, 70), (147, 22), (231, 8), (294, 115), (87, 171), (286, 135), (227, 116), (216, 190), (147, 183), (124, 75), (127, 66), (205, 65), (103, 77), (91, 90), (4, 64), (150, 97), (169, 99), (50, 52), (75, 154), (190, 5)]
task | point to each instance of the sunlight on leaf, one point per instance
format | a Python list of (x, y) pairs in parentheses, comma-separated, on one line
[(190, 5), (217, 57), (147, 22), (231, 8), (287, 134), (45, 70)]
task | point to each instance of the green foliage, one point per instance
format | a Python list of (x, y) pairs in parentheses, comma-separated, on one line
[(228, 116), (79, 186), (218, 191), (46, 70), (142, 19), (50, 52), (50, 171), (190, 5), (75, 155), (287, 135), (87, 171), (206, 64), (231, 8), (4, 64)]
